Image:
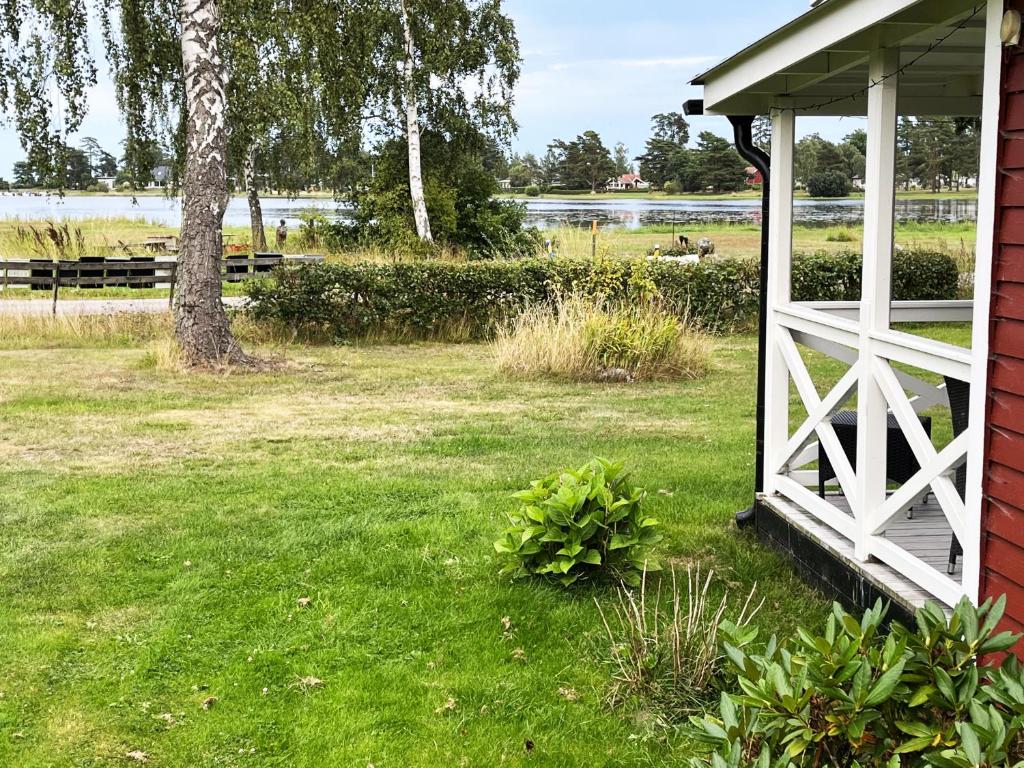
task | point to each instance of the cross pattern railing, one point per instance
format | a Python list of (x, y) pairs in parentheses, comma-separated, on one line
[(861, 334), (861, 520)]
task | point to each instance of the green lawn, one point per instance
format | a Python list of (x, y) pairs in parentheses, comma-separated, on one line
[(159, 529)]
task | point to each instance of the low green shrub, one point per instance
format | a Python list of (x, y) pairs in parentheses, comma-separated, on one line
[(578, 524), (533, 191), (916, 276), (422, 299), (857, 695), (840, 236)]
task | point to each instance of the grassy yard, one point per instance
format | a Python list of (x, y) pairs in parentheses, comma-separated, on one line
[(744, 240), (160, 529)]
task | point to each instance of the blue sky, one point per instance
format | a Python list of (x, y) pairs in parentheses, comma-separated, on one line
[(587, 65)]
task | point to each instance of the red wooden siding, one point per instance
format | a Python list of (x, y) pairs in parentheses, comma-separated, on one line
[(1002, 521)]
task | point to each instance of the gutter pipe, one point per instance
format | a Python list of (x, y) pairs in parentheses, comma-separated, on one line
[(744, 139)]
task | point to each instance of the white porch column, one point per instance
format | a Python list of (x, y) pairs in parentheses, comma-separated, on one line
[(879, 213), (780, 257), (992, 94)]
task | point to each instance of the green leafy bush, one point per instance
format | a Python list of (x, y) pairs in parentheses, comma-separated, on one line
[(916, 276), (828, 184), (859, 696), (423, 299), (580, 523), (533, 191)]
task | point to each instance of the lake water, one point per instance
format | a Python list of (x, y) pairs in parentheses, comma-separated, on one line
[(607, 211)]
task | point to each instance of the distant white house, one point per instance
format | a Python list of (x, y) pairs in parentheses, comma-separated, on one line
[(110, 181), (627, 181), (505, 183)]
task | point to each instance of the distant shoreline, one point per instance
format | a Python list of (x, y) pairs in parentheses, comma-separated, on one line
[(917, 194)]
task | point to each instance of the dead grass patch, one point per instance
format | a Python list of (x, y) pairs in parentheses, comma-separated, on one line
[(586, 339)]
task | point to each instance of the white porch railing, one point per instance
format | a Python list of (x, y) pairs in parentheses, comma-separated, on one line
[(862, 335), (834, 335)]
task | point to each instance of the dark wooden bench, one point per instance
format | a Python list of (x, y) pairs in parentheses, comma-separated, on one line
[(133, 272)]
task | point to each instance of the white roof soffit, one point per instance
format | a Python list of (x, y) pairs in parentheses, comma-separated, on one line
[(822, 56)]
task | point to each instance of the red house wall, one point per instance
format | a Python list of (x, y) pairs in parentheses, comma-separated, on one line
[(1002, 514)]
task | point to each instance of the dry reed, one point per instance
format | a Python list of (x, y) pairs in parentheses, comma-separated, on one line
[(669, 653)]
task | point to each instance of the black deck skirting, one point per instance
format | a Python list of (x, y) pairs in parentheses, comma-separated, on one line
[(823, 569)]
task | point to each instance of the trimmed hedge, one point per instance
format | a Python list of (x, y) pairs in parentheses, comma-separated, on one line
[(425, 299)]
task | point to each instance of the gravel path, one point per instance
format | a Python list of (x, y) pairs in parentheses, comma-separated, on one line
[(94, 306)]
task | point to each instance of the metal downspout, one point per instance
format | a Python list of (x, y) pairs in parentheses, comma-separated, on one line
[(757, 157)]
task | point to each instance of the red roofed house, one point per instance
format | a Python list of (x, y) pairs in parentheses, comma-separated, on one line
[(627, 181)]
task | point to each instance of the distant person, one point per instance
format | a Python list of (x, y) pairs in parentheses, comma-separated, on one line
[(282, 234)]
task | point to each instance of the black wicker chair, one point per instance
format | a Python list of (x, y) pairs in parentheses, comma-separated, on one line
[(959, 395), (900, 463)]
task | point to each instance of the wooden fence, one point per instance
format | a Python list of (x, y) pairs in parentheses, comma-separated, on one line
[(134, 272)]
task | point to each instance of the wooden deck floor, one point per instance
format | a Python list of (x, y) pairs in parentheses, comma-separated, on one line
[(927, 536)]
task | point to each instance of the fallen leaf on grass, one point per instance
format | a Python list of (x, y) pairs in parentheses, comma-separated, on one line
[(209, 701), (519, 654), (569, 694), (448, 706), (138, 756), (305, 602), (308, 683)]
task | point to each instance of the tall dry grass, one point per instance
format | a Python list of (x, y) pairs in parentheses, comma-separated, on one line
[(583, 338), (34, 330), (664, 641), (153, 332)]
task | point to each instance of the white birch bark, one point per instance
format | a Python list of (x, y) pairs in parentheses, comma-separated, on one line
[(200, 323), (412, 130), (259, 236)]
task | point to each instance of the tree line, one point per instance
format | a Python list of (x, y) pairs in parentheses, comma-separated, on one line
[(668, 162), (82, 169), (933, 154)]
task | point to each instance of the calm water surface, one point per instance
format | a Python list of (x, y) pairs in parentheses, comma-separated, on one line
[(626, 213)]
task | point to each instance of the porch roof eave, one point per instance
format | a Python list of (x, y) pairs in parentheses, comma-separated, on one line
[(818, 60)]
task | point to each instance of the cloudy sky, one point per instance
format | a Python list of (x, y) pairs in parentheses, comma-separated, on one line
[(587, 65)]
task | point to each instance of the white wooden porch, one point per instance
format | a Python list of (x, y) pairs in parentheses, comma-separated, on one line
[(846, 58), (926, 537)]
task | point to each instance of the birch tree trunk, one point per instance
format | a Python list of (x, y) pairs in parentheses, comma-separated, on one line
[(412, 130), (200, 322), (259, 237)]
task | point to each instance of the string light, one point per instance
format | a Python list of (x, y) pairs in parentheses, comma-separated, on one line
[(895, 73)]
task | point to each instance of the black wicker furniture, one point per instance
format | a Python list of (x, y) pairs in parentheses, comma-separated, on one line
[(900, 465), (959, 395)]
